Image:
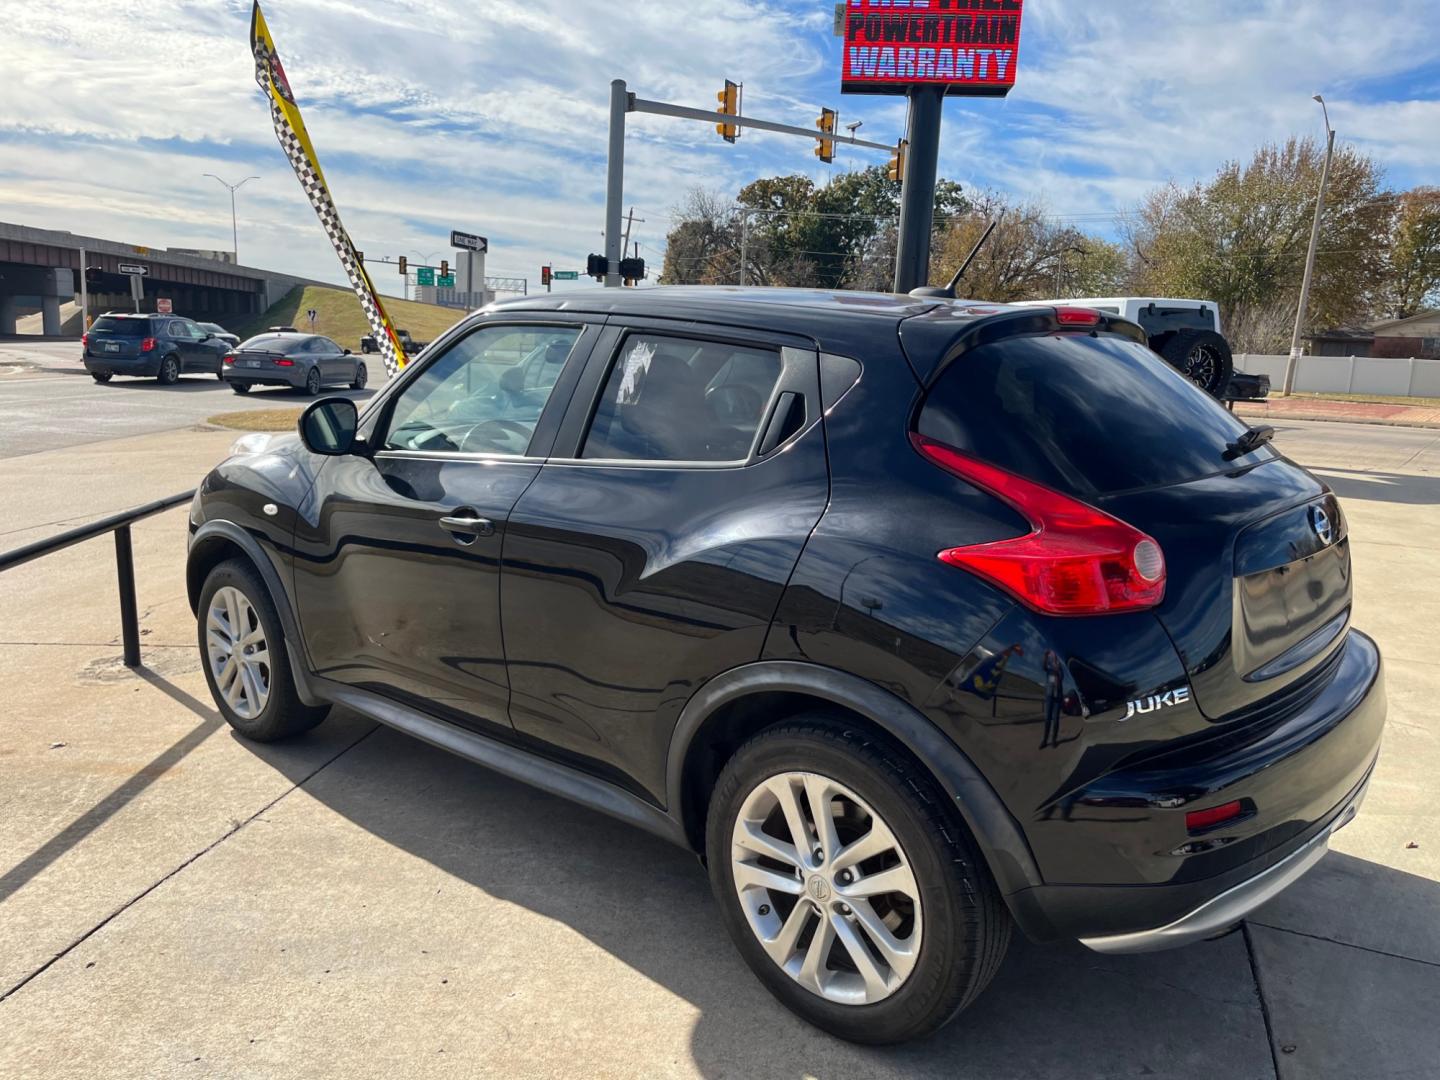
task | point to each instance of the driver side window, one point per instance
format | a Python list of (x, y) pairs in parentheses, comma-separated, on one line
[(485, 394)]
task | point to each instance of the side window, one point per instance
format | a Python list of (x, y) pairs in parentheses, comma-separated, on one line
[(484, 394), (177, 330), (316, 345), (676, 399)]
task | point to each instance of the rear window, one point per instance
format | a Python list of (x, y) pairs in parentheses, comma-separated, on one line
[(122, 327), (1084, 415), (272, 341)]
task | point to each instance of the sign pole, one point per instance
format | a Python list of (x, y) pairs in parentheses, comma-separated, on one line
[(84, 296), (615, 182), (917, 192)]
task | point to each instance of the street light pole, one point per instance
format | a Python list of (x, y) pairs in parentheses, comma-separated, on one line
[(234, 230), (1295, 349)]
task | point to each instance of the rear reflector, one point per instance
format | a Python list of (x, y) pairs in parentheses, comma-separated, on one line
[(1196, 820), (1076, 560), (1076, 316)]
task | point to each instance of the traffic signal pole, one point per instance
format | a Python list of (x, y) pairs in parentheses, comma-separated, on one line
[(917, 191), (622, 101)]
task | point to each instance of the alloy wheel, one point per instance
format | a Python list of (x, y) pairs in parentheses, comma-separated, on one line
[(826, 888), (312, 381), (238, 652), (1202, 366)]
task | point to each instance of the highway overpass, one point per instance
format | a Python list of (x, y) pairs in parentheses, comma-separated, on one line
[(41, 268)]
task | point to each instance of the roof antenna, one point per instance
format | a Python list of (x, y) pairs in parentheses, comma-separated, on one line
[(948, 292)]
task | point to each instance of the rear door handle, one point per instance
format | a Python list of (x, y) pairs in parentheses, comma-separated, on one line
[(468, 523)]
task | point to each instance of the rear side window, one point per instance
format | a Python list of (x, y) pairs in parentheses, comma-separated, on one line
[(1084, 415), (122, 327), (679, 399)]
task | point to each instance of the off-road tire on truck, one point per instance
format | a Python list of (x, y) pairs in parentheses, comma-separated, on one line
[(1202, 356)]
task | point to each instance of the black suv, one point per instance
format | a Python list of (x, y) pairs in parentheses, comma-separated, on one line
[(161, 347), (916, 619)]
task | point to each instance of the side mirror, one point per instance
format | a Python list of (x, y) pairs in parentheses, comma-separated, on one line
[(205, 337), (328, 426), (347, 352)]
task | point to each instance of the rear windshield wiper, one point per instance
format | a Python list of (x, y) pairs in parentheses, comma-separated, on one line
[(1252, 440)]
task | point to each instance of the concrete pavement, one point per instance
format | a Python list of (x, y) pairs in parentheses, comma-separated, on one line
[(176, 902)]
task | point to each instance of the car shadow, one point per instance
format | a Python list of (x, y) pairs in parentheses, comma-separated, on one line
[(1054, 1011)]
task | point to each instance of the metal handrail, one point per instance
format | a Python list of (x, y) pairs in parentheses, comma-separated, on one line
[(119, 524)]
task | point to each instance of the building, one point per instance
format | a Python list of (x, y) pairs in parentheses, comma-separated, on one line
[(1418, 336)]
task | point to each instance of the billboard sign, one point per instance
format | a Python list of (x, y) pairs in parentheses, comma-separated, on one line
[(969, 47)]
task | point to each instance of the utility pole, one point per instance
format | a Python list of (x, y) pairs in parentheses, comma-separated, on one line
[(629, 224), (84, 296), (917, 192), (1295, 349), (744, 243), (234, 231)]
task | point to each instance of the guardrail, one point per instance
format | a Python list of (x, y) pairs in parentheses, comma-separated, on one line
[(119, 524)]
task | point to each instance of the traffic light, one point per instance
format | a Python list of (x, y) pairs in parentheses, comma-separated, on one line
[(597, 266), (92, 276), (632, 270), (825, 148), (729, 100), (404, 265), (896, 171), (444, 267), (545, 276)]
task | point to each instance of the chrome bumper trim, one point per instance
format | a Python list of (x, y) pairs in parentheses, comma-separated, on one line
[(1216, 916)]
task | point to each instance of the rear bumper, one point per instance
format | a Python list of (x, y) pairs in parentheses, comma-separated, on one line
[(147, 364), (261, 377), (1216, 916)]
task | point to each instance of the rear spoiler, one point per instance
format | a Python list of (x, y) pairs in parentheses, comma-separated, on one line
[(935, 339)]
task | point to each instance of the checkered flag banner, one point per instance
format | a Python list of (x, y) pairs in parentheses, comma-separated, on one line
[(295, 141)]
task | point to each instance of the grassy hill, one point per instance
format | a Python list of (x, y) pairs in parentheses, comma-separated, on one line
[(341, 319)]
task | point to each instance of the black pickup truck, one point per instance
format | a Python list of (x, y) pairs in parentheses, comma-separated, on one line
[(412, 347)]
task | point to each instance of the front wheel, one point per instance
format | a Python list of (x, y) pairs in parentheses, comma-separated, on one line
[(169, 371), (246, 664), (312, 382), (849, 884), (358, 383)]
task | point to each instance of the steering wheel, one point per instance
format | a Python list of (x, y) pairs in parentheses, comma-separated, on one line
[(487, 430)]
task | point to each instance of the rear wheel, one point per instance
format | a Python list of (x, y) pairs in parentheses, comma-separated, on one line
[(246, 664), (169, 371), (848, 883), (312, 382), (240, 387), (102, 376), (1203, 357), (360, 376)]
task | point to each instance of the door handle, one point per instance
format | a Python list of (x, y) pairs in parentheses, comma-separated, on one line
[(468, 523)]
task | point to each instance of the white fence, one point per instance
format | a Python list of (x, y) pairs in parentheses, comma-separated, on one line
[(1349, 374)]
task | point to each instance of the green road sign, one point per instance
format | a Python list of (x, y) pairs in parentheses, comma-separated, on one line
[(565, 275), (445, 281), (425, 276)]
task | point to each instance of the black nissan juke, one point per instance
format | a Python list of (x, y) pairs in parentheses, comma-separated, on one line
[(916, 619)]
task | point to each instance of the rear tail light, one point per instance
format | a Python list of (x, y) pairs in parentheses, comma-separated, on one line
[(85, 340), (147, 345), (1077, 316), (284, 361), (1076, 560), (1196, 820), (228, 358)]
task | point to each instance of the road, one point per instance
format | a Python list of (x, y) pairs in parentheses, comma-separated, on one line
[(175, 902), (48, 402)]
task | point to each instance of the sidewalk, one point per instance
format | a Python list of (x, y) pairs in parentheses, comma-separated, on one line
[(1350, 412)]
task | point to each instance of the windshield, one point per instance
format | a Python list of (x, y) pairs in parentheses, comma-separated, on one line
[(122, 327), (1084, 415)]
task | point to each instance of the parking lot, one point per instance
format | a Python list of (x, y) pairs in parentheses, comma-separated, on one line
[(175, 902)]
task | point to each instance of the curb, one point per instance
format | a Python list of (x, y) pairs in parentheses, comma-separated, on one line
[(1254, 409)]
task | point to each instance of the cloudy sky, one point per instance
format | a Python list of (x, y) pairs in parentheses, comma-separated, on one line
[(490, 116)]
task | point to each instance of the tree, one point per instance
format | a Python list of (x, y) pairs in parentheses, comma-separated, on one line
[(703, 248), (1413, 278), (1241, 237)]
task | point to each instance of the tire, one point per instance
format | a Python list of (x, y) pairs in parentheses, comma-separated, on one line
[(312, 381), (358, 383), (220, 374), (1203, 357), (169, 373), (102, 376), (957, 914), (240, 387), (277, 713)]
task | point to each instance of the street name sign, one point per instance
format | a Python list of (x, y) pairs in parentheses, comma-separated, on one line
[(565, 275)]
